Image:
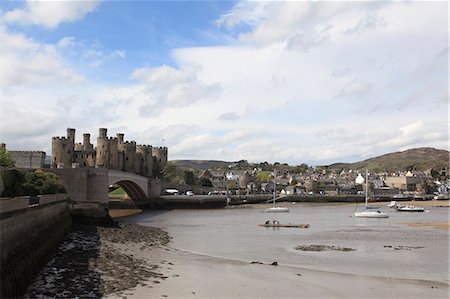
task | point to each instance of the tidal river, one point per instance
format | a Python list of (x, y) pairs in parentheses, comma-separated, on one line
[(405, 245)]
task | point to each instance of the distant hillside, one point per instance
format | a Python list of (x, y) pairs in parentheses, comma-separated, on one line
[(418, 159), (202, 164)]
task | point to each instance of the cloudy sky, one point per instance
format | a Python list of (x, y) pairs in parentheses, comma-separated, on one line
[(314, 81)]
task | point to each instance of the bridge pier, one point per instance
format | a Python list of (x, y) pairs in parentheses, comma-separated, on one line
[(88, 191)]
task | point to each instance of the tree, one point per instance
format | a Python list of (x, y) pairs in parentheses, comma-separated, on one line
[(205, 182), (6, 159), (41, 182), (170, 172), (189, 177)]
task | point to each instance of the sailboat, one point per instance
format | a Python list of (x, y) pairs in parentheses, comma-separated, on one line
[(367, 213), (274, 208)]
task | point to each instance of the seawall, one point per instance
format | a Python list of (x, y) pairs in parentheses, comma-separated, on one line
[(28, 233)]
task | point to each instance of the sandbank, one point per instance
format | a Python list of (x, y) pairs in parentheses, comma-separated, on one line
[(191, 275)]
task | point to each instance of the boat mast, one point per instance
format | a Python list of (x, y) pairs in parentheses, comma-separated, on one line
[(367, 189), (274, 187)]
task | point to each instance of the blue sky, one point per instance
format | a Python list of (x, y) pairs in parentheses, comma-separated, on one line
[(288, 81)]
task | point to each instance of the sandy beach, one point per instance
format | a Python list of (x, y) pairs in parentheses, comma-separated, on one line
[(197, 276), (134, 261)]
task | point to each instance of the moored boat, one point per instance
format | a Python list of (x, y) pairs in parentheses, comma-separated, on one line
[(410, 208), (368, 213)]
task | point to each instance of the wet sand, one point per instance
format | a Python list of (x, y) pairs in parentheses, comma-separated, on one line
[(117, 213), (133, 261), (193, 275)]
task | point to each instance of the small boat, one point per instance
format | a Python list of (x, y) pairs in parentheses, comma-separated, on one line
[(284, 225), (401, 196), (275, 209), (368, 213), (371, 214), (393, 204), (410, 208)]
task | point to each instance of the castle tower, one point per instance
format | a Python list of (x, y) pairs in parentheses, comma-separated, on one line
[(87, 146), (144, 160), (120, 148), (71, 134), (113, 153), (62, 151), (159, 159), (102, 153), (149, 162), (129, 156)]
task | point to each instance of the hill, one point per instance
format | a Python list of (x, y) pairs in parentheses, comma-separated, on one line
[(419, 159), (202, 164)]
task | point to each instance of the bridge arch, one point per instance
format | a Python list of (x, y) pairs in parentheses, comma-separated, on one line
[(135, 186), (132, 189)]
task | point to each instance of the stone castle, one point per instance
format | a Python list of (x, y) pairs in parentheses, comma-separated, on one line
[(111, 152)]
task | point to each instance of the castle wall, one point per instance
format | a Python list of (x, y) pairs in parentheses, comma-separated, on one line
[(110, 153), (85, 158), (28, 159)]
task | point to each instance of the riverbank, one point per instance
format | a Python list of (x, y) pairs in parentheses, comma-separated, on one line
[(133, 261), (96, 261)]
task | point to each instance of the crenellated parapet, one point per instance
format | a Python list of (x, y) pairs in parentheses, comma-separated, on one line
[(110, 152)]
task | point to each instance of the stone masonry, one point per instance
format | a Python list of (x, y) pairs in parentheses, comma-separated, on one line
[(110, 153)]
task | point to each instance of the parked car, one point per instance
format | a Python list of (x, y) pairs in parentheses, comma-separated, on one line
[(189, 193)]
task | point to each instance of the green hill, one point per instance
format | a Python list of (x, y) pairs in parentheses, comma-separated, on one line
[(419, 159)]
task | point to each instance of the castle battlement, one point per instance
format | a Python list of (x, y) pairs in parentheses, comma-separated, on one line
[(27, 152), (109, 152)]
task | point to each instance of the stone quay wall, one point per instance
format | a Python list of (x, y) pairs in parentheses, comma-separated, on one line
[(28, 232)]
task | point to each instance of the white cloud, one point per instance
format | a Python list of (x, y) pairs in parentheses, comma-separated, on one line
[(314, 82), (170, 87), (26, 61), (49, 14)]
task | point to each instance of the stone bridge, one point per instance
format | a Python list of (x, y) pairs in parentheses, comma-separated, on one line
[(88, 188)]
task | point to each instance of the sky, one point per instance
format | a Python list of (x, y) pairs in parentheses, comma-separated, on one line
[(313, 82)]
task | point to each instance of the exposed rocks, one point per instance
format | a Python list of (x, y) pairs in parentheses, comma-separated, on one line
[(87, 265), (322, 248), (403, 247)]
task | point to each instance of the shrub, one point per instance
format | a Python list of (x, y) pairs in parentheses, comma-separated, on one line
[(6, 159), (36, 182)]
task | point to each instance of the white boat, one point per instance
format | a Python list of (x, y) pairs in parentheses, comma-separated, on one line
[(393, 204), (371, 214), (368, 213), (410, 208), (275, 209)]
